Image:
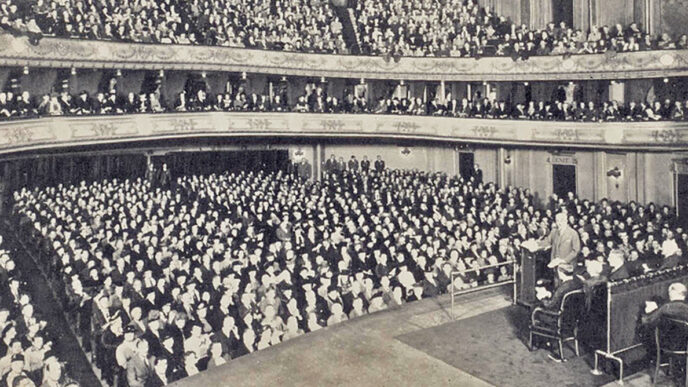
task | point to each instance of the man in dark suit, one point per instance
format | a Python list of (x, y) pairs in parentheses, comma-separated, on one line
[(228, 337), (564, 243), (379, 164), (620, 269), (675, 308), (365, 164), (164, 176), (477, 174), (161, 375), (671, 253), (330, 164), (353, 164)]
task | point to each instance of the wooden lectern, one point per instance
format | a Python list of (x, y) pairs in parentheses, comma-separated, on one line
[(529, 277)]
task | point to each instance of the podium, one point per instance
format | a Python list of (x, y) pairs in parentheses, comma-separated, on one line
[(529, 276)]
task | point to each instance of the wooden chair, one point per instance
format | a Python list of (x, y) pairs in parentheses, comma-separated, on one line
[(560, 325), (671, 340)]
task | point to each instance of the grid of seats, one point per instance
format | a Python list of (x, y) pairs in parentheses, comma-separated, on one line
[(196, 272)]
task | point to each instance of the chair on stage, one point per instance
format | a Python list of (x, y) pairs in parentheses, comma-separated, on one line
[(560, 325), (671, 341)]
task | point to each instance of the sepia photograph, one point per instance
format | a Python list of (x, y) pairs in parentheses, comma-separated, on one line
[(364, 193)]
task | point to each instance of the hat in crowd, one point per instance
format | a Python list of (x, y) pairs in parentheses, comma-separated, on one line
[(130, 329)]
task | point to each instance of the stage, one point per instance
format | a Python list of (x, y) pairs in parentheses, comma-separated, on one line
[(416, 345)]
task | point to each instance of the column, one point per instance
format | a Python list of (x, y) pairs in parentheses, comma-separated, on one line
[(443, 91), (318, 157), (617, 92)]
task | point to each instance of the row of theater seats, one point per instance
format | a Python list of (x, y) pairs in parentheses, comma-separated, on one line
[(28, 345), (436, 28), (196, 272), (17, 105), (463, 28), (219, 279)]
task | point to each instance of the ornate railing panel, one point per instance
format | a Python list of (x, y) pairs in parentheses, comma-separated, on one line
[(65, 53), (74, 131)]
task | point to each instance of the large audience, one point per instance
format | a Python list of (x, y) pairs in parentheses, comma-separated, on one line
[(293, 25), (196, 271), (454, 28), (463, 28), (21, 104), (27, 354)]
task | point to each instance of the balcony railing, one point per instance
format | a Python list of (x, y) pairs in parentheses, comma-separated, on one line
[(58, 132), (66, 53)]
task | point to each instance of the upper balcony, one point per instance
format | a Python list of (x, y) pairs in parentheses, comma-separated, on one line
[(68, 53), (56, 132)]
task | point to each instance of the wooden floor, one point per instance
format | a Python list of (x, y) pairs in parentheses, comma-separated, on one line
[(361, 352)]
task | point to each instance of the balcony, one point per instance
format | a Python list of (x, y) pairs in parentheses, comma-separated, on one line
[(56, 132), (66, 53)]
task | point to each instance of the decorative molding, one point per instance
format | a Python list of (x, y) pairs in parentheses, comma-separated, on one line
[(66, 53), (55, 132)]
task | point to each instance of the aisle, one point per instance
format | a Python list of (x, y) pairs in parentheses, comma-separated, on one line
[(64, 342)]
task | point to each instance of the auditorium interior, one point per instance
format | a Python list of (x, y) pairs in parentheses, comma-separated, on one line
[(343, 192)]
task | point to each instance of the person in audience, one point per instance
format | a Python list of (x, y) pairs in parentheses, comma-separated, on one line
[(619, 268)]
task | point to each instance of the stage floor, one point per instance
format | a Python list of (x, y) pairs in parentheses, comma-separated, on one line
[(362, 352)]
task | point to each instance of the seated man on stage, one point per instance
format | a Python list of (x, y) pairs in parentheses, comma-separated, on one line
[(676, 307)]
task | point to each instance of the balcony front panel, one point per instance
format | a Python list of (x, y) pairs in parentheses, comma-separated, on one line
[(56, 132), (66, 53)]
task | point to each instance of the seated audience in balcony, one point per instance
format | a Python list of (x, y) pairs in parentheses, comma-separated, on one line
[(293, 25)]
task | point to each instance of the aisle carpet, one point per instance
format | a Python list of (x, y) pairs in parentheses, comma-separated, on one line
[(492, 347)]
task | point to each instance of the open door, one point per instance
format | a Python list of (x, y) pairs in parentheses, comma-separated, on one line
[(563, 179)]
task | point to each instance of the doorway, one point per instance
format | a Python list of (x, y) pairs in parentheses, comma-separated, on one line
[(466, 162), (563, 179), (563, 12), (682, 198)]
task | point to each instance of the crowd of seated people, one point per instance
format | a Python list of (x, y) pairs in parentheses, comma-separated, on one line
[(27, 357), (21, 104), (291, 25), (214, 267), (463, 28), (458, 28), (202, 269)]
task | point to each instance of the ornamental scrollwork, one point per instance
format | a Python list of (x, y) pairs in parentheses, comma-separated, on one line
[(19, 135), (332, 125), (666, 136)]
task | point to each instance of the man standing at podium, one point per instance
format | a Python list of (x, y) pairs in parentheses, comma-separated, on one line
[(565, 246)]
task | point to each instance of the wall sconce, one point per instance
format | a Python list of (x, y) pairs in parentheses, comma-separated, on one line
[(284, 79), (525, 83), (118, 74), (161, 73), (243, 75), (615, 173), (666, 80), (322, 79), (72, 71), (402, 83), (203, 74), (507, 160), (25, 70)]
